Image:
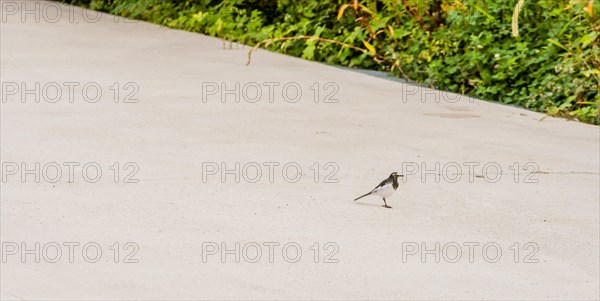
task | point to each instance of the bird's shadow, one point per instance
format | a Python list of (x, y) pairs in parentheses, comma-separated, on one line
[(368, 204)]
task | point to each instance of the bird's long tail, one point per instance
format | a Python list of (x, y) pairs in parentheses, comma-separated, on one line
[(362, 196)]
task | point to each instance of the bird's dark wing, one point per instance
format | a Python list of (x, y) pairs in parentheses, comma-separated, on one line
[(382, 183)]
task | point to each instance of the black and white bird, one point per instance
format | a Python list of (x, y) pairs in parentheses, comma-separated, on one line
[(385, 189)]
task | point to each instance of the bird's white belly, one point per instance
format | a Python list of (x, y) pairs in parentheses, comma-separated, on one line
[(385, 191)]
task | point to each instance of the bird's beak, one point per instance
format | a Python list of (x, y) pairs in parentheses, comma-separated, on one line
[(399, 176)]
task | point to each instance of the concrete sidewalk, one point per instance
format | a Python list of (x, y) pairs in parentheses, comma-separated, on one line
[(122, 145)]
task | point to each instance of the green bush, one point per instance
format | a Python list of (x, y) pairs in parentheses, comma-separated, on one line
[(463, 46)]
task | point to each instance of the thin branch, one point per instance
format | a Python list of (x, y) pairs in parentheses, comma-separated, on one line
[(313, 38), (414, 13)]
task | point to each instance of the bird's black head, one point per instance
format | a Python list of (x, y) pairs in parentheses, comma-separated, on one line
[(396, 175)]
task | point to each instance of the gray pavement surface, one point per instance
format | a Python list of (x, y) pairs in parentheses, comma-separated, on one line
[(135, 194)]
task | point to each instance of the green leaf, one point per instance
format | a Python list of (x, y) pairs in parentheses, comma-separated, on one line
[(309, 52), (588, 73), (557, 43), (490, 17)]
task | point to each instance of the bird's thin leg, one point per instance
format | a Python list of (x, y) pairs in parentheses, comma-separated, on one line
[(386, 205)]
